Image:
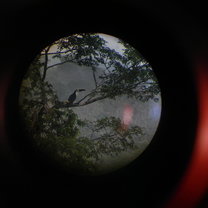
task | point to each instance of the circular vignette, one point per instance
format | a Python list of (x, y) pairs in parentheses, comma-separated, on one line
[(91, 102), (158, 163)]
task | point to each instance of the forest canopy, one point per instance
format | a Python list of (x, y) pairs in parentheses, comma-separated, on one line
[(53, 124)]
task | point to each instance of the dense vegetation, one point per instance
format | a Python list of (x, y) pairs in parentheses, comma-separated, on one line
[(54, 126)]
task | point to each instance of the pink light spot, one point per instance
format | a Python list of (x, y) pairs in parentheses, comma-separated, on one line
[(127, 116)]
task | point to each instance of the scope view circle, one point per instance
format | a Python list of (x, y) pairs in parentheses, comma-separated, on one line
[(90, 102)]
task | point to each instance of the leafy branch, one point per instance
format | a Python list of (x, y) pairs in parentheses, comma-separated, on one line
[(112, 136), (125, 74)]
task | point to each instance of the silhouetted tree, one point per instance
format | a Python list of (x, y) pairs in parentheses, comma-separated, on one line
[(125, 74), (55, 128)]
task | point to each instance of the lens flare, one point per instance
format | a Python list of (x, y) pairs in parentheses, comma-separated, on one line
[(127, 116), (194, 184)]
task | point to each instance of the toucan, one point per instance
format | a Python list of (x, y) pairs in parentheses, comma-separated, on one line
[(73, 96)]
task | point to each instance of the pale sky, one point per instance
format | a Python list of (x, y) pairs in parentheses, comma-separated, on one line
[(112, 42), (70, 76)]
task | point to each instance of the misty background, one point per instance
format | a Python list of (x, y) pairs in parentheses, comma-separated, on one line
[(68, 77)]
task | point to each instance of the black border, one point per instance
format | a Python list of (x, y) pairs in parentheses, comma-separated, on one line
[(148, 181)]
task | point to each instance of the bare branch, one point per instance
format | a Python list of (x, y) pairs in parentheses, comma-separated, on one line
[(68, 105), (90, 101), (94, 76), (71, 60), (46, 62), (61, 63), (59, 52), (86, 96)]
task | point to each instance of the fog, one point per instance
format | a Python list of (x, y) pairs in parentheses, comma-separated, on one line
[(68, 77)]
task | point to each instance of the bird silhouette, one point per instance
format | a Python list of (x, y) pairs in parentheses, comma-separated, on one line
[(73, 96)]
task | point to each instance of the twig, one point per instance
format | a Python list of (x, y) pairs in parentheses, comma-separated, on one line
[(94, 77), (45, 63), (86, 97), (59, 64)]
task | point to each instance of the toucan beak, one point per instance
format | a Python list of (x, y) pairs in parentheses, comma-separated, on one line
[(81, 90)]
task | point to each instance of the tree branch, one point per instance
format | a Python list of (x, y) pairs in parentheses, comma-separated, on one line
[(68, 105), (85, 97), (58, 64), (58, 52), (93, 100), (89, 101), (94, 77), (63, 63), (45, 63)]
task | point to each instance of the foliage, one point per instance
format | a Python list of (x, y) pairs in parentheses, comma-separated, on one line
[(126, 73), (111, 136), (54, 126), (53, 131)]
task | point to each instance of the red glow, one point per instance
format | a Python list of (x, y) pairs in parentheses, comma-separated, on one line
[(127, 116), (195, 181)]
